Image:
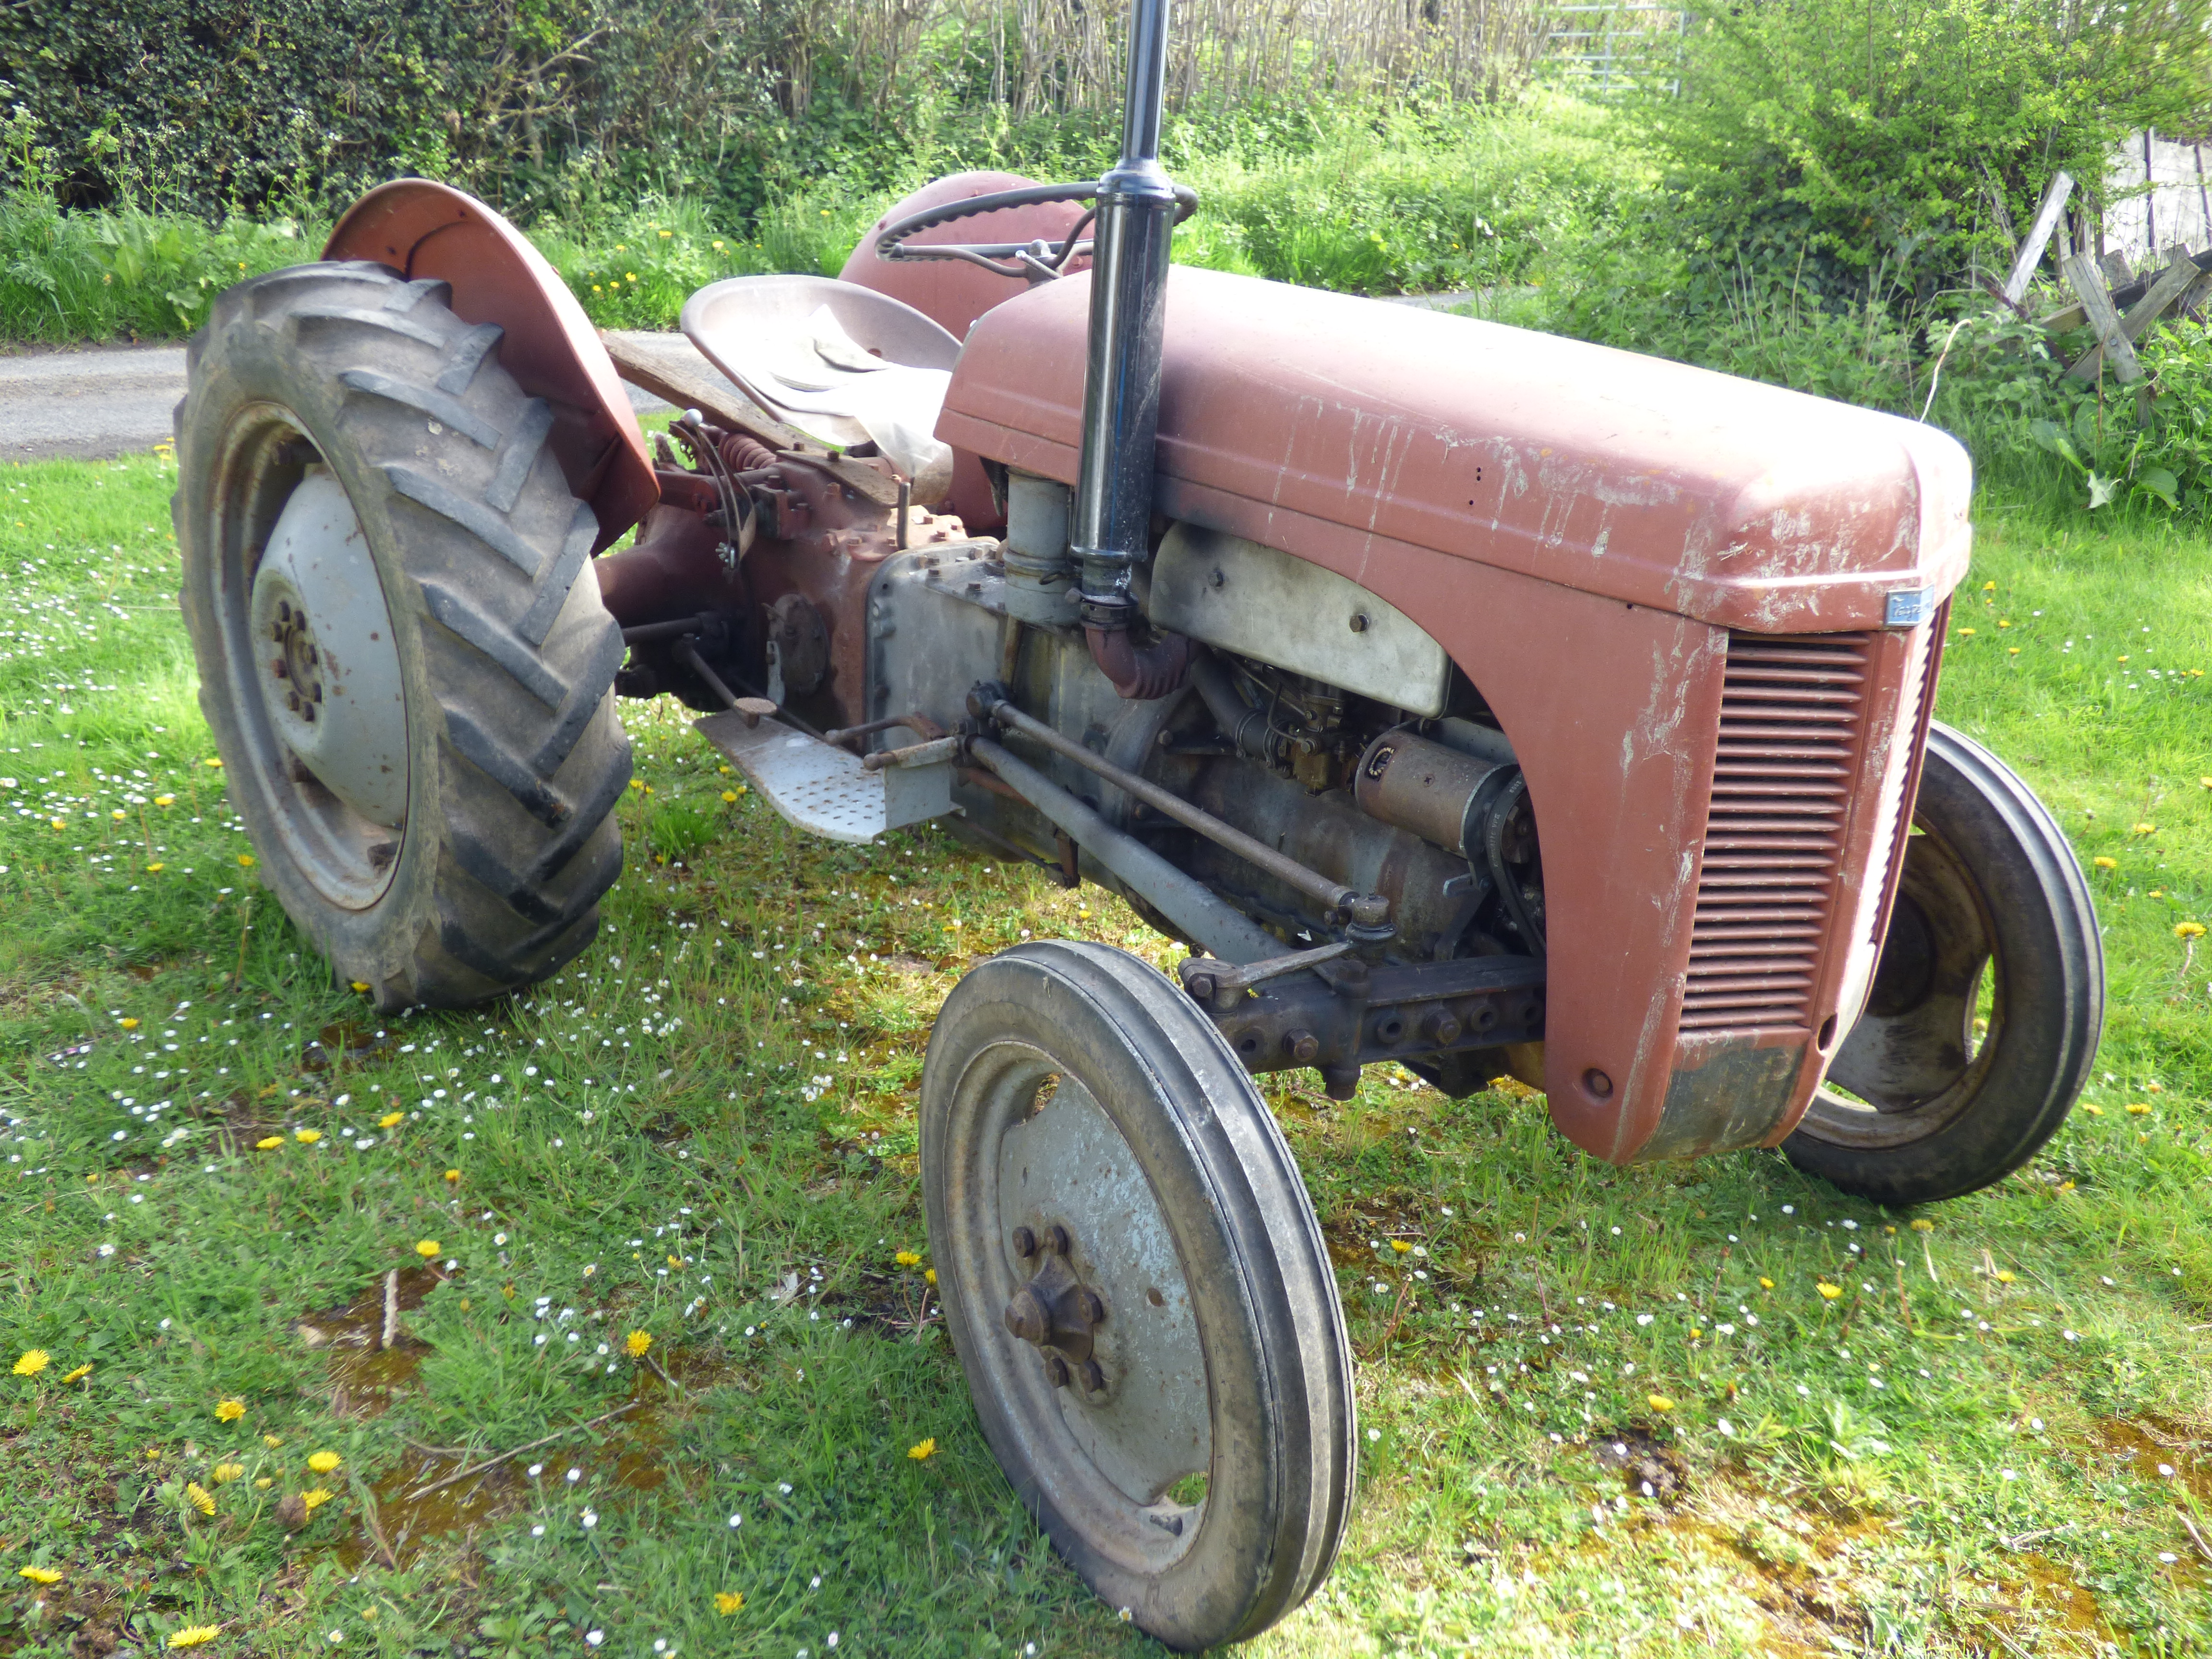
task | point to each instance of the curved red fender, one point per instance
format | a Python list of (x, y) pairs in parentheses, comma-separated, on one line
[(423, 229)]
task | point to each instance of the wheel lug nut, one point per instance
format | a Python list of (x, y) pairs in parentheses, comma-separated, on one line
[(291, 699), (1090, 1306), (1056, 1239), (1092, 1378), (307, 711), (1443, 1027), (1055, 1370), (1027, 1316), (1024, 1242), (1302, 1046), (315, 694), (283, 672)]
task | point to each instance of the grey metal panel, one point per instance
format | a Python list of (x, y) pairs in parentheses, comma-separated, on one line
[(1261, 602), (824, 790)]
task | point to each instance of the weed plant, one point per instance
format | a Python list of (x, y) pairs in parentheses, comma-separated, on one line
[(1713, 1407)]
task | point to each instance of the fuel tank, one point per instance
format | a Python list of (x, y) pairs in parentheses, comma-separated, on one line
[(1704, 610)]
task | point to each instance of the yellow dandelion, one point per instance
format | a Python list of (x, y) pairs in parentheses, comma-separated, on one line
[(2189, 930), (264, 1484), (2143, 829), (1660, 1402), (272, 1440), (728, 795), (1765, 1283), (636, 783), (267, 1143), (930, 1274), (727, 1602), (1966, 633), (118, 815), (40, 1575), (223, 1474), (1988, 587), (2106, 864), (130, 1024), (637, 1342), (2138, 1109), (213, 761), (360, 985), (1828, 1293), (923, 1451), (229, 1411), (246, 860), (2005, 1276), (717, 247), (315, 1499), (193, 1636), (307, 1136), (2002, 624), (907, 1258), (165, 800), (199, 1497), (1921, 1224), (2093, 1109), (155, 869), (323, 1462), (33, 1361), (79, 1374), (454, 1176), (391, 1120), (426, 1247)]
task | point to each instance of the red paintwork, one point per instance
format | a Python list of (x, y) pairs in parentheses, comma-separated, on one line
[(1579, 527), (423, 230), (953, 294)]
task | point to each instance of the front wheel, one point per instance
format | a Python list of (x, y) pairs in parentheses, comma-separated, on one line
[(402, 654), (1924, 1100), (1137, 1290)]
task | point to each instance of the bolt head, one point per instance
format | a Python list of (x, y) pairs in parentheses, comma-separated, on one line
[(307, 711), (282, 671), (1056, 1240), (292, 701), (1055, 1370), (1090, 1306), (1444, 1028), (1303, 1046), (283, 611), (1024, 1242), (1027, 1317), (315, 692), (1093, 1377)]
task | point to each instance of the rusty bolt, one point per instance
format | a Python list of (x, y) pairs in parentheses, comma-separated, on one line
[(283, 672), (292, 701), (1092, 1378), (314, 658), (1056, 1239), (1026, 1317), (1302, 1046), (283, 611), (1443, 1026), (1024, 1242), (315, 692), (1055, 1370), (307, 711), (1359, 622), (1090, 1306), (1201, 986)]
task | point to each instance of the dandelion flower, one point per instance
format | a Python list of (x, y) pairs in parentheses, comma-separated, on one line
[(729, 795), (923, 1451), (1967, 632), (426, 1247), (223, 1474), (2106, 864), (637, 1342), (2005, 1276), (2143, 829), (728, 1602), (1765, 1283), (33, 1361), (454, 1176), (1660, 1402), (246, 860), (155, 869), (1828, 1293), (272, 1440), (165, 800), (2138, 1109), (315, 1499), (129, 1024), (79, 1374), (2189, 930), (193, 1636), (907, 1258), (267, 1143), (360, 985), (390, 1119), (1923, 1224), (1400, 1246), (229, 1411), (323, 1462), (200, 1497), (40, 1575), (930, 1274), (307, 1136)]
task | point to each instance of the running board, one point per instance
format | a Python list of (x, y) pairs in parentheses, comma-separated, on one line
[(822, 789)]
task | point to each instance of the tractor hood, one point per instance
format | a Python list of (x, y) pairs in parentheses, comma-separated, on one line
[(1333, 427)]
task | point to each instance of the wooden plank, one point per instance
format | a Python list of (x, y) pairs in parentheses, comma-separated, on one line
[(2179, 275), (2038, 234), (2088, 285), (2117, 271), (670, 367), (2065, 319)]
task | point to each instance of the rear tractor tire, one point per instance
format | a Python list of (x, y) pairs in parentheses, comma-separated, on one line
[(1924, 1102), (405, 663)]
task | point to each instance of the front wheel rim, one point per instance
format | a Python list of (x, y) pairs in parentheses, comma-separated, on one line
[(325, 738)]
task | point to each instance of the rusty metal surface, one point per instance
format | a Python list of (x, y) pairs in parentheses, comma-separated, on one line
[(426, 230), (1390, 1013), (1578, 528)]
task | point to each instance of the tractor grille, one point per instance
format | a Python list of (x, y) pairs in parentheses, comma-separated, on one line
[(1918, 693), (1791, 713)]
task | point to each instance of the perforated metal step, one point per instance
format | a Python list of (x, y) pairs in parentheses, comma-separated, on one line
[(822, 789)]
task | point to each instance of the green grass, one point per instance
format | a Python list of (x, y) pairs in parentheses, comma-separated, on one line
[(703, 1130)]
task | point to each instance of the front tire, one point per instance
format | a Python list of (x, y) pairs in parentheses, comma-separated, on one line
[(1919, 1106), (409, 687), (1087, 1133)]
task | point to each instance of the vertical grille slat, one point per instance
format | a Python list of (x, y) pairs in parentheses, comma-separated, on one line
[(1792, 713)]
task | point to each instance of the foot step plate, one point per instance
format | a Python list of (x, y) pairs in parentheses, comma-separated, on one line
[(822, 789)]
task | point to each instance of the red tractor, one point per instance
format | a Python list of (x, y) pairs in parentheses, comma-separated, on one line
[(1466, 698)]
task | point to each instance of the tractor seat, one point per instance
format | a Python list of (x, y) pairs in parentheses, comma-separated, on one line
[(843, 364)]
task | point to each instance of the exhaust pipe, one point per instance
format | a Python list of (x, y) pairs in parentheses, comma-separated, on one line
[(1112, 510)]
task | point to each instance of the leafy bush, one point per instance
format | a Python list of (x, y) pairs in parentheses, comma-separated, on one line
[(1897, 138)]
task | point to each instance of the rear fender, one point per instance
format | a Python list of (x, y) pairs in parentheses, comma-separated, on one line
[(423, 229)]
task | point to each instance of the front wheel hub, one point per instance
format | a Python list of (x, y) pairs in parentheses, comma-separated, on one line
[(326, 660)]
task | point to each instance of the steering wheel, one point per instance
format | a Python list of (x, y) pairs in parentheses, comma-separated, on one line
[(1035, 261)]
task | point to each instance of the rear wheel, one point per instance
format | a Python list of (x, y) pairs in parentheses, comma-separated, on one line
[(409, 686), (1137, 1290), (1923, 1102)]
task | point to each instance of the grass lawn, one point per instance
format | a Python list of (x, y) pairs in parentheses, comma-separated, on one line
[(658, 1223)]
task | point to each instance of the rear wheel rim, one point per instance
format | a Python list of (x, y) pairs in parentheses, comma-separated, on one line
[(1915, 1061), (345, 840)]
